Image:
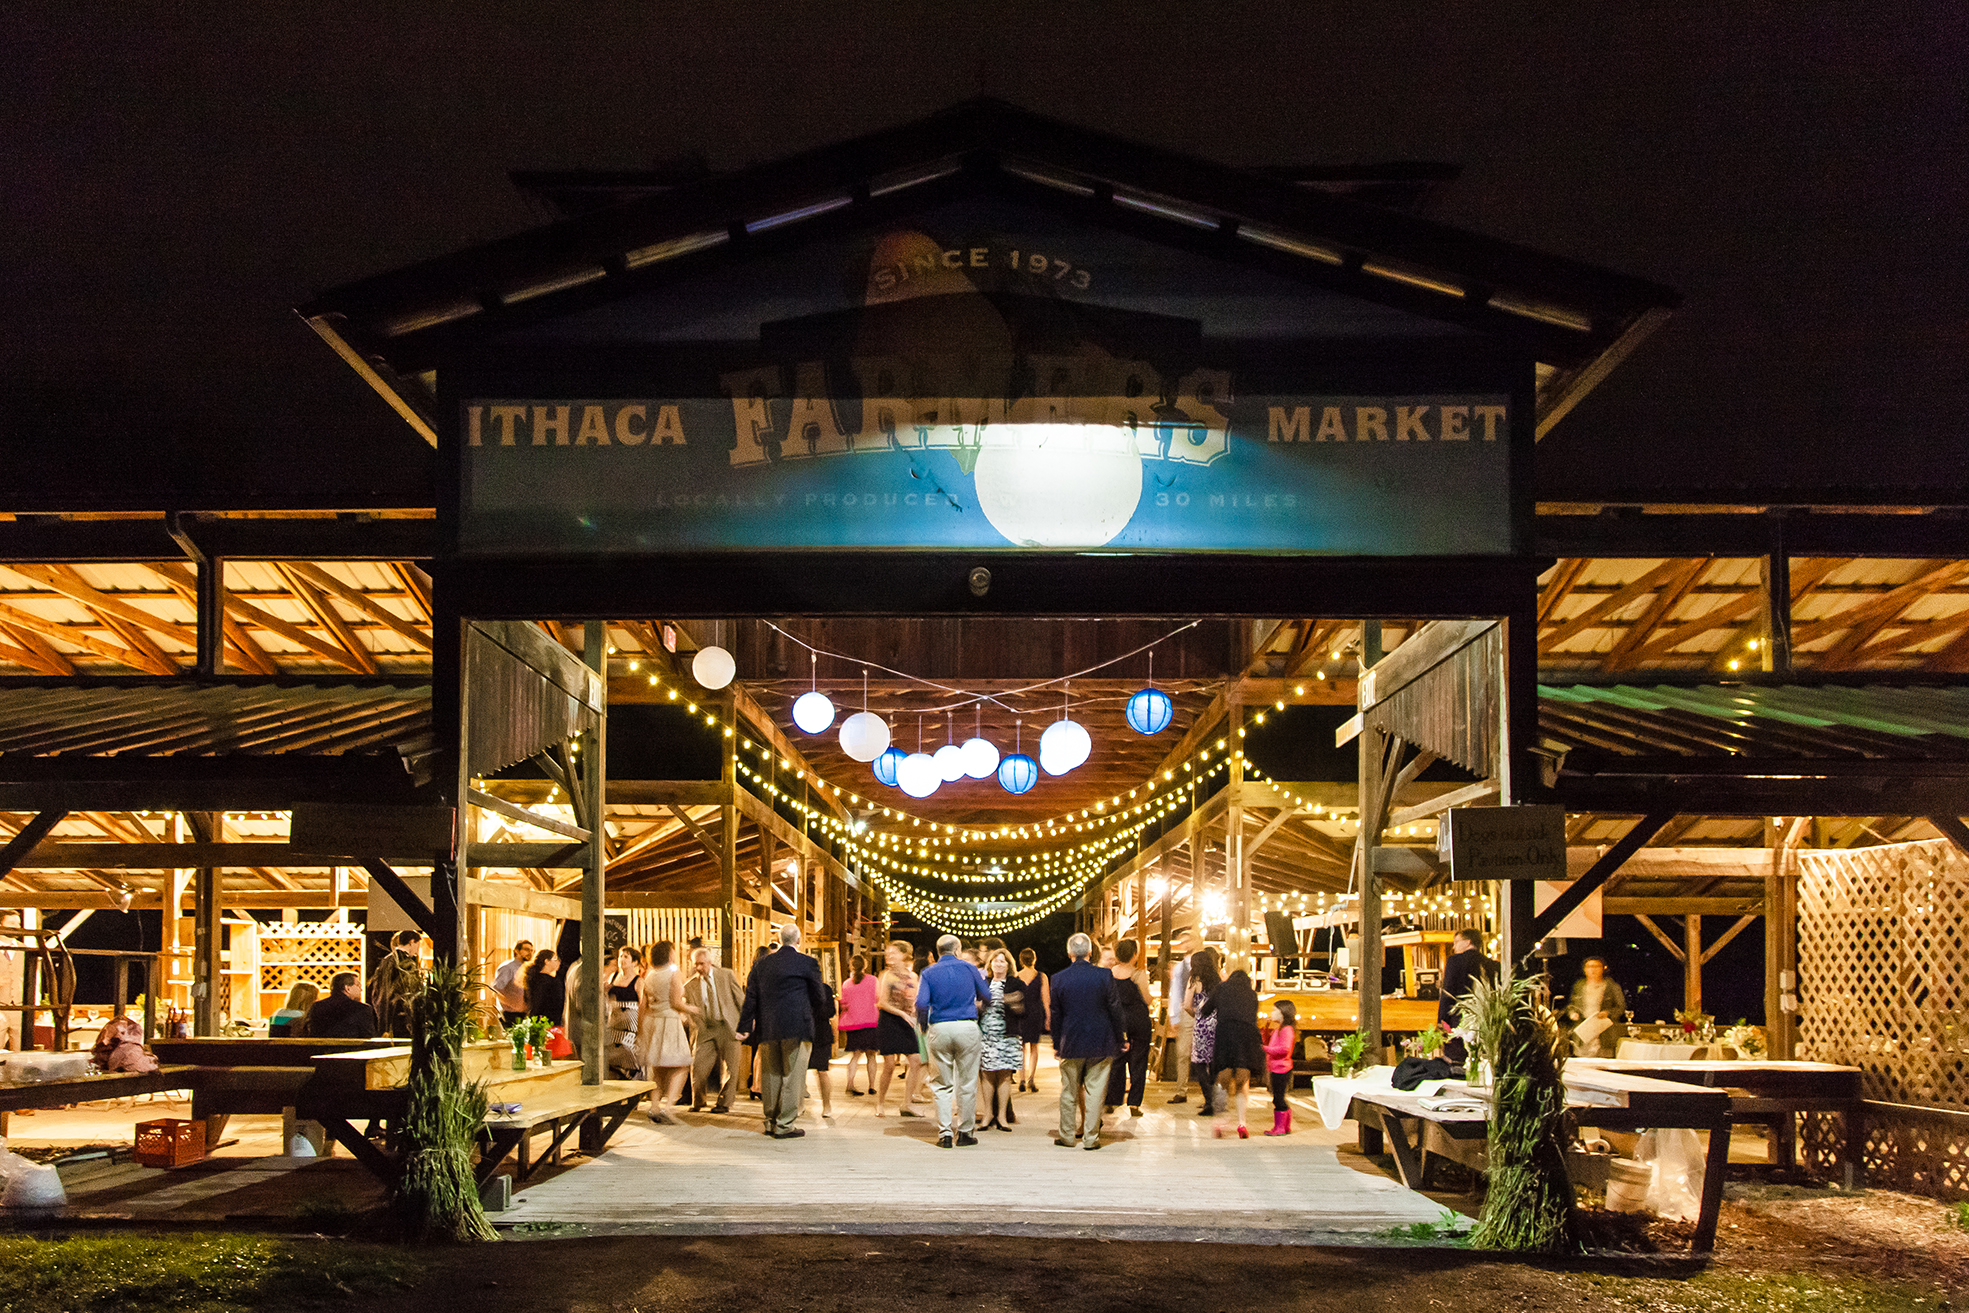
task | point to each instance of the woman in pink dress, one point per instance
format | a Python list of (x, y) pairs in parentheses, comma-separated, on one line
[(858, 1016)]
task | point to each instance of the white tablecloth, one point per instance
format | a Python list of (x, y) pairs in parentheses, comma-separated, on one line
[(1642, 1051), (1331, 1095)]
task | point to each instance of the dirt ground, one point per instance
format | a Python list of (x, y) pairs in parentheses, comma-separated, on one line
[(1787, 1249)]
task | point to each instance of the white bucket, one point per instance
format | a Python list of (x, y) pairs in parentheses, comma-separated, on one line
[(1627, 1185)]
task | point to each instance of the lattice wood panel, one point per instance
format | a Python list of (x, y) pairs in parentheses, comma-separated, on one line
[(291, 953), (1883, 965)]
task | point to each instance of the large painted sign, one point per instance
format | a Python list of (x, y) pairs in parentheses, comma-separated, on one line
[(973, 401)]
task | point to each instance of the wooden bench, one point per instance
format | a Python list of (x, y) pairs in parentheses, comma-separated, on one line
[(1614, 1100), (351, 1087), (252, 1076)]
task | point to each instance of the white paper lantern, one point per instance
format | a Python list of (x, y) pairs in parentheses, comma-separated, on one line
[(1063, 746), (950, 763), (812, 712), (864, 735), (980, 758), (918, 775), (713, 667)]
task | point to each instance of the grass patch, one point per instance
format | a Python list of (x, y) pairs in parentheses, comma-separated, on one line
[(1450, 1229), (1733, 1292), (192, 1273), (1958, 1215)]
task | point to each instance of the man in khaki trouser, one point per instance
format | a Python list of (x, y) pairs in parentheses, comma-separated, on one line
[(714, 990)]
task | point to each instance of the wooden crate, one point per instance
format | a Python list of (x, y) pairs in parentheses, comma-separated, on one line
[(170, 1142)]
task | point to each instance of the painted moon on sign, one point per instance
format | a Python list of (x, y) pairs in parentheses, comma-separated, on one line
[(1058, 497)]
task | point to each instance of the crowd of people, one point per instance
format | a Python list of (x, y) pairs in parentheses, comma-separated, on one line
[(969, 1024)]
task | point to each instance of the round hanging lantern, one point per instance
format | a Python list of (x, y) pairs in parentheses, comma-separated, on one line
[(917, 775), (885, 765), (980, 758), (1063, 746), (812, 712), (1017, 773), (713, 667), (1149, 711), (950, 763), (864, 735)]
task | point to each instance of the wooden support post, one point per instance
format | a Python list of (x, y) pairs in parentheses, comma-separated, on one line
[(208, 942), (1237, 876), (451, 719), (1781, 934), (1692, 964), (594, 788), (210, 599), (728, 843), (1776, 572), (1517, 709), (1375, 747)]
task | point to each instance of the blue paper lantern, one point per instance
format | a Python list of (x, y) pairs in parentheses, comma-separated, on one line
[(1018, 773), (885, 766), (1150, 711)]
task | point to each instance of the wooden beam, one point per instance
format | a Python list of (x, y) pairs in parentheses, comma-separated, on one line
[(244, 646), (1609, 606), (515, 812), (1555, 592), (1674, 949), (1956, 832), (1861, 616), (1692, 960), (362, 602), (698, 832), (1678, 905), (74, 634), (323, 610), (517, 898), (1805, 575), (246, 611), (1742, 923), (415, 583), (154, 659), (172, 856), (63, 579), (36, 652), (1626, 650), (27, 838), (1595, 876)]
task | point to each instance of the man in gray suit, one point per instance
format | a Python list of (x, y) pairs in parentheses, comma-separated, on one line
[(715, 992)]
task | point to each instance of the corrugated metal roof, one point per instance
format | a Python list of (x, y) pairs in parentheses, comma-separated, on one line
[(164, 720), (1789, 721)]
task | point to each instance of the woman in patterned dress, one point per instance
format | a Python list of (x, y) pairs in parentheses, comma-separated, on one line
[(1203, 1039), (1001, 1053)]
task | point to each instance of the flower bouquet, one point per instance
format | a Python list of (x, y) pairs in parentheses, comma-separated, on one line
[(1745, 1039), (1696, 1025)]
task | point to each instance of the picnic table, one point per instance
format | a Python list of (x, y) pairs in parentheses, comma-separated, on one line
[(1767, 1091), (1614, 1100), (15, 1096)]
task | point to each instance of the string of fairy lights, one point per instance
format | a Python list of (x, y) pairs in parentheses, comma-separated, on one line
[(907, 857)]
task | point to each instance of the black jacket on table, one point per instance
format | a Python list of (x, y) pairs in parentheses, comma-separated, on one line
[(785, 998), (1461, 971), (1087, 1020)]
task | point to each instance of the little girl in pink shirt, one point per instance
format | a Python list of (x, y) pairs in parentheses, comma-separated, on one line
[(1278, 1063)]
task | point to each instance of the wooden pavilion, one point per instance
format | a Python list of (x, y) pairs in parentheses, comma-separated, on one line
[(249, 714)]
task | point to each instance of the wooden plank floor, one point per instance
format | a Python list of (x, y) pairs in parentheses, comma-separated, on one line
[(1161, 1175)]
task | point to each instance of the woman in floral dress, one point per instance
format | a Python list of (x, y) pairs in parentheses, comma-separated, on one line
[(1001, 1052)]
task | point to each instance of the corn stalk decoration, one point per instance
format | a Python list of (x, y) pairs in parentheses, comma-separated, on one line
[(436, 1196), (1529, 1206)]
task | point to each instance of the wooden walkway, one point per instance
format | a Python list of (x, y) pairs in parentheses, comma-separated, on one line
[(1159, 1176)]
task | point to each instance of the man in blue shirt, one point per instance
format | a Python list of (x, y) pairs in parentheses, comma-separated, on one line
[(947, 999)]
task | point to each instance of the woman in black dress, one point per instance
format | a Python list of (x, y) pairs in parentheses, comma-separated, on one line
[(1129, 1074), (1240, 1049), (821, 1059), (546, 996), (1036, 1018)]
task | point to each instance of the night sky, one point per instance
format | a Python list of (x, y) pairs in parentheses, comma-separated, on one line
[(176, 182)]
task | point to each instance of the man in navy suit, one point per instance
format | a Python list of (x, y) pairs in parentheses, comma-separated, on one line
[(1087, 1035), (785, 1001)]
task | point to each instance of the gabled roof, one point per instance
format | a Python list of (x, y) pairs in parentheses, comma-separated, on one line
[(1576, 320)]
